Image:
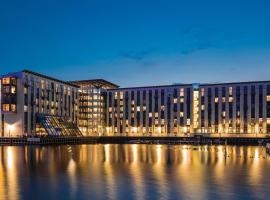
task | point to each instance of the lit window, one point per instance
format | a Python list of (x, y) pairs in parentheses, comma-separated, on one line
[(182, 92), (150, 114), (230, 91), (268, 120), (224, 114), (156, 115), (181, 114), (268, 97), (230, 99), (188, 122), (6, 107), (203, 107), (216, 99), (175, 100), (202, 92), (6, 81), (223, 99)]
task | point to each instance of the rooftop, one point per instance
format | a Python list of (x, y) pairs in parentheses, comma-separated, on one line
[(99, 83), (48, 77)]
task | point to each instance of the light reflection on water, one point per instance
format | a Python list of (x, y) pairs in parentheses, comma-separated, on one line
[(134, 172)]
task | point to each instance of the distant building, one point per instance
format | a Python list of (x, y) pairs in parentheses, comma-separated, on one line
[(34, 104)]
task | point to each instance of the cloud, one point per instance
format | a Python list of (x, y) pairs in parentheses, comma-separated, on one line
[(139, 55), (197, 38)]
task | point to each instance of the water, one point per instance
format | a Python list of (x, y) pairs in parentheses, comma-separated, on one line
[(134, 172)]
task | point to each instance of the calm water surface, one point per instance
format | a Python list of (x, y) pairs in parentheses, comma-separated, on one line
[(134, 172)]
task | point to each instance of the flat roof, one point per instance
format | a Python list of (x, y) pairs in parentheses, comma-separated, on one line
[(190, 85), (153, 86), (234, 83), (48, 77), (95, 82)]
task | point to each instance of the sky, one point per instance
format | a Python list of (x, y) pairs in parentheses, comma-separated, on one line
[(139, 42)]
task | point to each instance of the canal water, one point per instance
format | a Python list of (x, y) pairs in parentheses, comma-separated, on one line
[(134, 172)]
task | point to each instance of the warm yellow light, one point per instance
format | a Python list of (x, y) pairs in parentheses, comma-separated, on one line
[(185, 129)]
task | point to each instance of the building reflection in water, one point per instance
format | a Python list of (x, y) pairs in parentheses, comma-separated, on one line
[(133, 171)]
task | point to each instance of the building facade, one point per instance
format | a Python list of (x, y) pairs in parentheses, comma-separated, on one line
[(28, 99), (34, 104), (91, 113), (181, 110)]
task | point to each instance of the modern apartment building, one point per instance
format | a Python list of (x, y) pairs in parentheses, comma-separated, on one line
[(34, 104), (178, 110)]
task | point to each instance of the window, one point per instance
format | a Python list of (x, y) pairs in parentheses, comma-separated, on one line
[(182, 92), (216, 99), (13, 90), (6, 107), (202, 92), (230, 91), (268, 97), (6, 81)]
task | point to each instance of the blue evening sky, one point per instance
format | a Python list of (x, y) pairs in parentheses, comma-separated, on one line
[(139, 42)]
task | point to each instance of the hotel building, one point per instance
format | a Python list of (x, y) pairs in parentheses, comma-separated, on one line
[(34, 104)]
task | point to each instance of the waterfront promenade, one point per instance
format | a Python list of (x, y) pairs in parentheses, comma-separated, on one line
[(195, 140)]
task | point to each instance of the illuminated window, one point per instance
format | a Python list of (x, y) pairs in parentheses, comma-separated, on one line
[(6, 81), (175, 100), (223, 99), (268, 120), (203, 107), (6, 107), (181, 114), (224, 114), (268, 97), (182, 100), (230, 91), (230, 99), (163, 107), (156, 115), (182, 92), (150, 114), (202, 92), (216, 99), (188, 122)]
